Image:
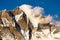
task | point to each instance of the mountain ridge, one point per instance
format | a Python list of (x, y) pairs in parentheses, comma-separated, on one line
[(27, 23)]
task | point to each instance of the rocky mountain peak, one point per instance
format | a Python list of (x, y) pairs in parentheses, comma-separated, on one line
[(28, 23)]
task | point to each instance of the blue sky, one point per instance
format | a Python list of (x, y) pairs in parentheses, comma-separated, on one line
[(50, 6)]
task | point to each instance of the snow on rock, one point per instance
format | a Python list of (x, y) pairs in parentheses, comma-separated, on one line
[(31, 12), (35, 16), (45, 35), (18, 16)]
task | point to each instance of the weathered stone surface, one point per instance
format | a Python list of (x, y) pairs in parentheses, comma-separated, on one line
[(44, 31)]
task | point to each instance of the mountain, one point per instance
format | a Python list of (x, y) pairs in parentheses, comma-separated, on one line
[(28, 23)]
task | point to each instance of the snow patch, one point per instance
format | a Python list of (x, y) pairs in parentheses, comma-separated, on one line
[(18, 16)]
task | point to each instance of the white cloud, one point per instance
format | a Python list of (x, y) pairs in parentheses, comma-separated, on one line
[(56, 16)]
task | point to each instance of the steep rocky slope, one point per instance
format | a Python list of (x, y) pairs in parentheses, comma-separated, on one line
[(27, 23)]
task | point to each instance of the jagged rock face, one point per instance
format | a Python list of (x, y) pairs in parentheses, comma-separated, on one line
[(17, 11), (21, 20), (8, 22), (0, 14), (46, 34), (6, 34), (10, 31), (17, 35), (6, 18)]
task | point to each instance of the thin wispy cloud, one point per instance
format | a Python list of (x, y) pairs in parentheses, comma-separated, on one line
[(56, 16)]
